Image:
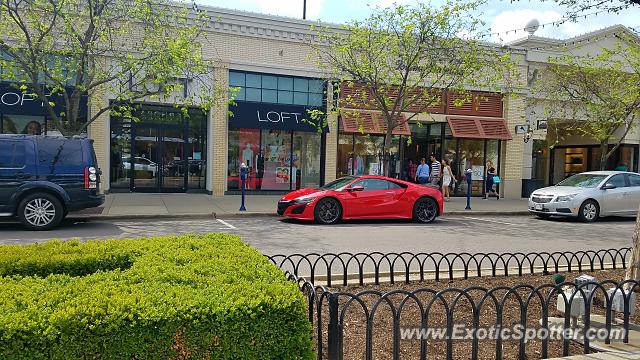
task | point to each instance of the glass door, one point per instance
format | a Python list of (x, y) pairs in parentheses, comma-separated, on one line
[(157, 161)]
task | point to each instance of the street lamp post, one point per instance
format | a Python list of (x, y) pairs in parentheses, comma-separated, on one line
[(304, 9)]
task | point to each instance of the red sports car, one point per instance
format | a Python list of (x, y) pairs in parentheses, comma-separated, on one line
[(363, 197)]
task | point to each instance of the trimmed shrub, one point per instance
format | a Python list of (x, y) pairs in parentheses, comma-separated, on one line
[(178, 297)]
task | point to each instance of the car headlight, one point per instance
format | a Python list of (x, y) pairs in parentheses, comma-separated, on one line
[(304, 200), (566, 197)]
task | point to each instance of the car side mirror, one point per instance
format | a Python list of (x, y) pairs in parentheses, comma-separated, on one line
[(356, 188), (608, 187)]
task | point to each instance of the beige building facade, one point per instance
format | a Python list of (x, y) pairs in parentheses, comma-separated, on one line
[(268, 60)]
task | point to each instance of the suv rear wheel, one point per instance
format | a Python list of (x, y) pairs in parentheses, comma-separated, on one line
[(40, 211)]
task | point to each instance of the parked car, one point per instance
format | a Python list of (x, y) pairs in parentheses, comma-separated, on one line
[(363, 197), (140, 164), (43, 178), (588, 196)]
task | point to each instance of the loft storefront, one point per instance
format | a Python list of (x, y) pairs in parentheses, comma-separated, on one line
[(270, 132), (161, 149), (24, 113)]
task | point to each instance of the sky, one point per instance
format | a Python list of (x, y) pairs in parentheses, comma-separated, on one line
[(500, 16)]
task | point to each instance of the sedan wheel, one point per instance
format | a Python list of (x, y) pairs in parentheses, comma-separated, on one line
[(589, 211), (328, 211), (425, 210)]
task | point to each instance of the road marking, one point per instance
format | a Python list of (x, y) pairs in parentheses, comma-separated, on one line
[(492, 221), (226, 224)]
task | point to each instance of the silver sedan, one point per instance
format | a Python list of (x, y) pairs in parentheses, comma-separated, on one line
[(588, 196)]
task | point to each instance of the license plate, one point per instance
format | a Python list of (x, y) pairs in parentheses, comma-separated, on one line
[(539, 207)]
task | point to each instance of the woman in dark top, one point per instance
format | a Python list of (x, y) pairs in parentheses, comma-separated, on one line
[(490, 173)]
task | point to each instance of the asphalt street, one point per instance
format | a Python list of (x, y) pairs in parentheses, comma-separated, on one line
[(274, 235)]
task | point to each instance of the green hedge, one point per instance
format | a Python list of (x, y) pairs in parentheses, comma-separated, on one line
[(181, 297)]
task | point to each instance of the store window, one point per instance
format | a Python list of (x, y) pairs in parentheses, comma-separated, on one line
[(363, 154), (277, 89), (23, 124)]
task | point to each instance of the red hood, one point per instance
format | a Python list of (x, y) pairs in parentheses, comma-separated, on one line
[(298, 193)]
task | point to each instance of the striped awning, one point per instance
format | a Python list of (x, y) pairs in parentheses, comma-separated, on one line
[(371, 122), (479, 128)]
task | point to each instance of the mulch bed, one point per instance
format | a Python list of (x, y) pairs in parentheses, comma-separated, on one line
[(355, 321)]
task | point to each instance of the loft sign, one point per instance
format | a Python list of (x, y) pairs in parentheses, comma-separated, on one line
[(271, 116), (279, 116), (16, 102)]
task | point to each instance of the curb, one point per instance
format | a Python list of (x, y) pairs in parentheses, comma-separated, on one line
[(232, 215)]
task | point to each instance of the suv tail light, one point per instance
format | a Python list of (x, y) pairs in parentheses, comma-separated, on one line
[(90, 178)]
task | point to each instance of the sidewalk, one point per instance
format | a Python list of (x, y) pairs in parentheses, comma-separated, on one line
[(137, 205)]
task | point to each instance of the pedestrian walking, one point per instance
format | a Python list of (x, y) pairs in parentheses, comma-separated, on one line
[(412, 168), (447, 177), (490, 183), (436, 172), (422, 173)]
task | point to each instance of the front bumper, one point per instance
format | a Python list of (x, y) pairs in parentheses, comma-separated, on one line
[(296, 210), (565, 208)]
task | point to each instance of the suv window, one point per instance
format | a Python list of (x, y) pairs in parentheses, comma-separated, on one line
[(634, 180), (59, 152), (12, 154)]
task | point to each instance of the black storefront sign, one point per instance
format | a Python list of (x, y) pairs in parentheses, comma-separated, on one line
[(254, 115), (15, 102)]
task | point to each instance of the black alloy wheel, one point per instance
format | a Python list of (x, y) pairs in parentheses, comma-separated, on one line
[(328, 211), (425, 210)]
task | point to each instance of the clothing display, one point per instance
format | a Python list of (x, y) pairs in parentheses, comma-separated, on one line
[(247, 156)]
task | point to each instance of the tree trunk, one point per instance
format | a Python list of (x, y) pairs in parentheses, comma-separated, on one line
[(386, 159), (633, 271), (604, 146)]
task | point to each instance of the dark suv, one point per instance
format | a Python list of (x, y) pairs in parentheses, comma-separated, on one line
[(43, 178)]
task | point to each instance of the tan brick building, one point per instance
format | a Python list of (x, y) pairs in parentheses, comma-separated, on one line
[(268, 59)]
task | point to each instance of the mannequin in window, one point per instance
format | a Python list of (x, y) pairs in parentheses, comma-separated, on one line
[(247, 158), (259, 169)]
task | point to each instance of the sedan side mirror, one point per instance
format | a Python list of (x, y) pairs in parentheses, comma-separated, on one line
[(608, 187), (356, 188)]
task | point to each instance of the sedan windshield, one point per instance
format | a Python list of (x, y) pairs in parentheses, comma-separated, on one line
[(583, 180), (337, 184)]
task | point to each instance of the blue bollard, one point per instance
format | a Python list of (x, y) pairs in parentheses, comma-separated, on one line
[(468, 178), (243, 179)]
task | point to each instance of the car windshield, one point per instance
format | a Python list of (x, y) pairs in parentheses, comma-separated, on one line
[(583, 180), (337, 184)]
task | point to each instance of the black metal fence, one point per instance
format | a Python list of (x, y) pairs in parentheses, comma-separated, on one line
[(422, 323), (343, 267)]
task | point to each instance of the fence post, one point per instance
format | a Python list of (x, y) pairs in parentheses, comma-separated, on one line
[(334, 336)]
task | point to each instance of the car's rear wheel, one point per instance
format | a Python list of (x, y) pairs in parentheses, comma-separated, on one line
[(328, 211), (40, 211), (589, 211), (425, 210)]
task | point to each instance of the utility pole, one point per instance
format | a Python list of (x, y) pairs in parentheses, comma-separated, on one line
[(304, 9)]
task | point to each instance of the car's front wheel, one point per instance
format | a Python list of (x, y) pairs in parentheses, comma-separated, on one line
[(40, 211), (589, 211), (328, 211), (425, 210)]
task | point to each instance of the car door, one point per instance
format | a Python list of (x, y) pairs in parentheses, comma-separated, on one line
[(613, 199), (368, 202), (633, 193), (12, 171)]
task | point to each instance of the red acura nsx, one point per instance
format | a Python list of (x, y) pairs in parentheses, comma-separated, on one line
[(363, 197)]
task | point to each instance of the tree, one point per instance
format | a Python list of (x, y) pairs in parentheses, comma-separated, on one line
[(129, 50), (400, 60), (597, 96)]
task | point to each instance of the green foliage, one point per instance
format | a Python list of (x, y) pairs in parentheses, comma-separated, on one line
[(192, 296), (133, 50)]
